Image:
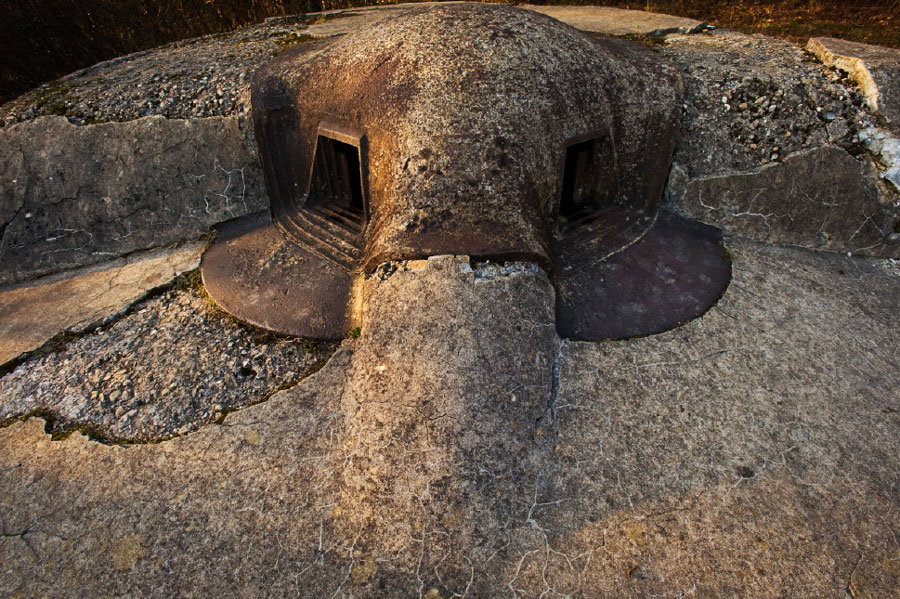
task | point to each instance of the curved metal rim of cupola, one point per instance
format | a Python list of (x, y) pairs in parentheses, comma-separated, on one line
[(658, 272)]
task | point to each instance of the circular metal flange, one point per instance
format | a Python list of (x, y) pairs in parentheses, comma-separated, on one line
[(257, 275), (672, 273)]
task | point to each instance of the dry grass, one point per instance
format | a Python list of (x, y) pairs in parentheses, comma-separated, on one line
[(872, 21), (41, 40)]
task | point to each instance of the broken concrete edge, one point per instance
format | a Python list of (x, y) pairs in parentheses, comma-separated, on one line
[(59, 341), (854, 67), (59, 428), (202, 241), (93, 432), (666, 32), (189, 279), (884, 149), (881, 143), (875, 69)]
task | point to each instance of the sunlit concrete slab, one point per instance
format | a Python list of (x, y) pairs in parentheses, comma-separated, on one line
[(619, 21), (31, 314), (457, 445)]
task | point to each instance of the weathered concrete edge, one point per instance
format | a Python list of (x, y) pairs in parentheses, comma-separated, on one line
[(181, 258), (161, 181), (855, 67)]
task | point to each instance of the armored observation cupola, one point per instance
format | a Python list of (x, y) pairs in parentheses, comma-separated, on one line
[(484, 130)]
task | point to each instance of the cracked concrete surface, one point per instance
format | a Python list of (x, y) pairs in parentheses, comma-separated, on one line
[(751, 451), (172, 364), (770, 139), (73, 196), (458, 448), (818, 198), (32, 314)]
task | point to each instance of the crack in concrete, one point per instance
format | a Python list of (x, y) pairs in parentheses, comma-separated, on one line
[(850, 585), (554, 377), (6, 225), (21, 535)]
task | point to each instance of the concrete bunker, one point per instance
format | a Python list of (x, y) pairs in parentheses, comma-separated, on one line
[(489, 131)]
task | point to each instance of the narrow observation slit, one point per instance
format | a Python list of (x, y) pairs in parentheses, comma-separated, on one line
[(589, 181), (336, 189)]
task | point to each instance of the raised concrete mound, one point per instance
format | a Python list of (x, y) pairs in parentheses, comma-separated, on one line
[(480, 130), (459, 118)]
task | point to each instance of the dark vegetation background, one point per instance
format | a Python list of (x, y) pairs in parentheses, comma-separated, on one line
[(41, 40)]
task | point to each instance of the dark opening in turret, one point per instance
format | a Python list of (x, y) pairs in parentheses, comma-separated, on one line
[(336, 186), (589, 181)]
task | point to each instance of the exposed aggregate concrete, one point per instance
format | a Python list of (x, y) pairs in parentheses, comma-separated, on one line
[(199, 77), (169, 367), (772, 98), (771, 147)]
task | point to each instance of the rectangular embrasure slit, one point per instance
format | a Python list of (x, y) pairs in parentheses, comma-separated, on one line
[(589, 183), (336, 191)]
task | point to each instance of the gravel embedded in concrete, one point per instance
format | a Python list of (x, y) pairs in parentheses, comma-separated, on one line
[(167, 368), (200, 77), (772, 99)]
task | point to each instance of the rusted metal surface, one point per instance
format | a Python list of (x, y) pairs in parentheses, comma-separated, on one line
[(671, 274), (462, 116), (487, 131), (256, 274)]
